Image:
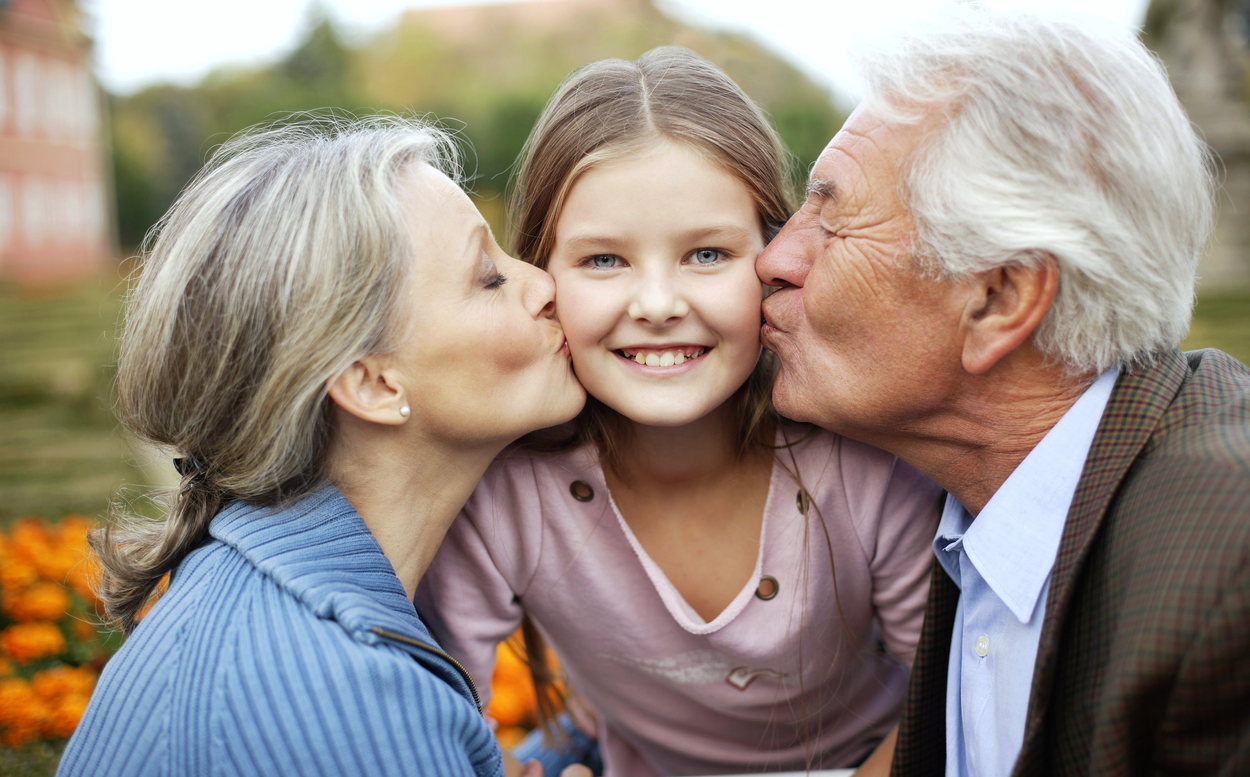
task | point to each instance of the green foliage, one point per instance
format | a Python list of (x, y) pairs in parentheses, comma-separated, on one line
[(34, 760), (486, 71)]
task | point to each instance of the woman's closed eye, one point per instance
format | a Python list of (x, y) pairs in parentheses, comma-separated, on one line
[(488, 274)]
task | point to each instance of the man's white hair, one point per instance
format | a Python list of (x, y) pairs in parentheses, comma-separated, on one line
[(1061, 141)]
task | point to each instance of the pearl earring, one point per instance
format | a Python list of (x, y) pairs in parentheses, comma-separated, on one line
[(404, 411)]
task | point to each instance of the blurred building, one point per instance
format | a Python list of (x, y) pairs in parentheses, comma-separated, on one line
[(55, 214), (1205, 45)]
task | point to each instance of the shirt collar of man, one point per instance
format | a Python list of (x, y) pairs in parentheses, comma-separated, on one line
[(1014, 540)]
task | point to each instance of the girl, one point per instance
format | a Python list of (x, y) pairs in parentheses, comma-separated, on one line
[(727, 591)]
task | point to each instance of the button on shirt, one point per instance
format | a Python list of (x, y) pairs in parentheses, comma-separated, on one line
[(1001, 562)]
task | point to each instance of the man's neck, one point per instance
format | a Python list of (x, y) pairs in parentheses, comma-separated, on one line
[(974, 443)]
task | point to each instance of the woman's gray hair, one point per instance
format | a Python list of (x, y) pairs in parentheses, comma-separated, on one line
[(283, 261), (1056, 140)]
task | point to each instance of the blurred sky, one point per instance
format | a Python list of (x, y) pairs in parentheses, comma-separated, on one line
[(142, 41)]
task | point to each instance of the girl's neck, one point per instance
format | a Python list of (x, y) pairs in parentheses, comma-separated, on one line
[(702, 451)]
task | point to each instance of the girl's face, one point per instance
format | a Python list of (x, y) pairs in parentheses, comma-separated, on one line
[(654, 263)]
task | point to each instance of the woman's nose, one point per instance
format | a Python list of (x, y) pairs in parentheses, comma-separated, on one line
[(657, 299), (538, 289)]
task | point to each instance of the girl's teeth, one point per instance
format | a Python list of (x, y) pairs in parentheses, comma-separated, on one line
[(665, 359)]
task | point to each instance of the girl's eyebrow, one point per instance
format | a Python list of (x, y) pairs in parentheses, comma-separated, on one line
[(720, 232), (731, 232), (591, 241)]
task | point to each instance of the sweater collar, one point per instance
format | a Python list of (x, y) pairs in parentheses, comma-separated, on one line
[(319, 549)]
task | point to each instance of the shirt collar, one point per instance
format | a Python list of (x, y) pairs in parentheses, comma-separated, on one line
[(1013, 541)]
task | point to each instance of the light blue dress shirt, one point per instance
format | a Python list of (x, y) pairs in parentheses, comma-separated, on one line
[(1001, 562)]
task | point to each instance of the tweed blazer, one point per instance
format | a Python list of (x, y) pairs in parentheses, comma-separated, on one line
[(1143, 667)]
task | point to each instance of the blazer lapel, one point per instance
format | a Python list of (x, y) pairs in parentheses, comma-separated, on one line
[(921, 747), (1132, 414)]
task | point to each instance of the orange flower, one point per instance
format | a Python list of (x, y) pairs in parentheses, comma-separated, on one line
[(22, 715), (510, 736), (43, 601), (52, 684), (27, 641), (83, 577), (510, 706), (6, 667), (29, 531), (512, 694), (17, 573), (61, 720), (72, 530), (56, 563)]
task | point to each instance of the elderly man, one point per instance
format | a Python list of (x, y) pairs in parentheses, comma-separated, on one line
[(989, 278)]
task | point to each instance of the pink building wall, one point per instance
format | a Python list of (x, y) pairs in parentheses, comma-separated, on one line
[(55, 212)]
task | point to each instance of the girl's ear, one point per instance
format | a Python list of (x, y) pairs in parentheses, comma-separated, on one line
[(370, 390), (1008, 306)]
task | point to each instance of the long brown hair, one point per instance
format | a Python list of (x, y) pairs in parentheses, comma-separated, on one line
[(608, 110)]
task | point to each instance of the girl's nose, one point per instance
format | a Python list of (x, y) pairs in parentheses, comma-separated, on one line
[(658, 300)]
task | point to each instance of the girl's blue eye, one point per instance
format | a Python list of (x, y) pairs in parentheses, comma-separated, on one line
[(603, 261), (706, 256)]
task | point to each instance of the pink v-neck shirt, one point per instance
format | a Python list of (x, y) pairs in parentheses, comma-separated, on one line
[(816, 672)]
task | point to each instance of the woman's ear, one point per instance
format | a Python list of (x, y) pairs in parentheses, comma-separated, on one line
[(370, 390), (1008, 305)]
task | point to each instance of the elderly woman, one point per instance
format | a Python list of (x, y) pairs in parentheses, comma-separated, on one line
[(328, 334)]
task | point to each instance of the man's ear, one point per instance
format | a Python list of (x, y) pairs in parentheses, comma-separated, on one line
[(1007, 306), (370, 390)]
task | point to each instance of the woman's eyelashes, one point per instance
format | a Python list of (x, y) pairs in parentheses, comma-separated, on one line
[(489, 275)]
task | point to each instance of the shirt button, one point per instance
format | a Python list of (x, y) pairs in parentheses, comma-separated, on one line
[(982, 647), (803, 501), (581, 491)]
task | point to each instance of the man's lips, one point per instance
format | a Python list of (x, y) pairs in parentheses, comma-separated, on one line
[(768, 324)]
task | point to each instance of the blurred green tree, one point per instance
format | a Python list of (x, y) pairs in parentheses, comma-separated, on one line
[(485, 71)]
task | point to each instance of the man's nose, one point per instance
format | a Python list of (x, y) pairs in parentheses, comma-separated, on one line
[(783, 262)]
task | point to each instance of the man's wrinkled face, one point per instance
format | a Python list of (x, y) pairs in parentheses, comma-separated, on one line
[(866, 341)]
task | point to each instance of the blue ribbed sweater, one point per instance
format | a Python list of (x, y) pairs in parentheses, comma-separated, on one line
[(285, 645)]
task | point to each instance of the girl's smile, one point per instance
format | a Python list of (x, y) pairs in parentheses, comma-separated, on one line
[(663, 356)]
